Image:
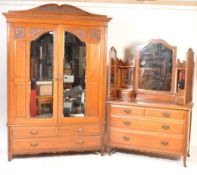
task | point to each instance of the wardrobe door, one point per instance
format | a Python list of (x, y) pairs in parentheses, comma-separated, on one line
[(80, 90), (33, 71)]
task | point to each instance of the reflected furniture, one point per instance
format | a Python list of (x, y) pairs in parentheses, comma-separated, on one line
[(157, 118), (56, 80)]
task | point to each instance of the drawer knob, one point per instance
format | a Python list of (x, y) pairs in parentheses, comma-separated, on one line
[(127, 123), (34, 144), (128, 111), (126, 138), (165, 127), (34, 132), (166, 114), (80, 142), (80, 129), (164, 143)]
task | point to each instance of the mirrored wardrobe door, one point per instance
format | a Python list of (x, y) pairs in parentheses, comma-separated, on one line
[(42, 74), (74, 76)]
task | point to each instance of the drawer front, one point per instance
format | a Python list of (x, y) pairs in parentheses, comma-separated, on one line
[(150, 141), (164, 125), (126, 110), (80, 130), (31, 132), (165, 113), (44, 144)]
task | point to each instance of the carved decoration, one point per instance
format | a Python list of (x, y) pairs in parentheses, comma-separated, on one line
[(19, 33), (80, 33), (95, 35), (36, 32), (65, 9)]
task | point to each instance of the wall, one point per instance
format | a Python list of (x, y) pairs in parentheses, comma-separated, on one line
[(130, 24)]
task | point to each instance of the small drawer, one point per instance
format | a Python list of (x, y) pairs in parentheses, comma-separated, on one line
[(80, 130), (34, 145), (31, 132), (126, 110), (165, 126), (165, 113), (166, 143)]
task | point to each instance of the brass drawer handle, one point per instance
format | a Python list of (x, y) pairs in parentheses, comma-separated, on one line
[(34, 144), (80, 142), (127, 123), (164, 143), (166, 114), (165, 127), (80, 129), (126, 138), (34, 132), (128, 111)]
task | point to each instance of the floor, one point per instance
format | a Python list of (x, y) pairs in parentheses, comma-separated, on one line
[(93, 164)]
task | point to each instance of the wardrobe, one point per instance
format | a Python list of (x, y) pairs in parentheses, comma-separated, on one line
[(56, 80)]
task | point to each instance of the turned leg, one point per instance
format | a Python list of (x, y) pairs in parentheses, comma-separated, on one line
[(9, 157), (184, 160), (102, 151), (109, 151)]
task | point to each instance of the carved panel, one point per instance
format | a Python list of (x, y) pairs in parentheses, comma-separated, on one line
[(36, 32), (80, 33), (95, 35), (19, 33)]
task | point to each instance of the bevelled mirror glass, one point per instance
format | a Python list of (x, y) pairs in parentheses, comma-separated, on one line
[(74, 78), (41, 76), (155, 67)]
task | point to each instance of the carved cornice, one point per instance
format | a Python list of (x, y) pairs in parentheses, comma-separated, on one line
[(19, 33)]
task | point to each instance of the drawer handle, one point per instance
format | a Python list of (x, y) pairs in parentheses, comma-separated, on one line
[(165, 127), (128, 111), (126, 138), (164, 143), (80, 129), (127, 123), (80, 142), (34, 144), (33, 132), (166, 114)]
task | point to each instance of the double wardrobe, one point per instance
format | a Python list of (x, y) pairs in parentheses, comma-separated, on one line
[(66, 93)]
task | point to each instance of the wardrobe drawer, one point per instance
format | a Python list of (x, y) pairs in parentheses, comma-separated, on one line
[(149, 141), (33, 145), (165, 113), (30, 132), (126, 110), (80, 130), (176, 127), (47, 144)]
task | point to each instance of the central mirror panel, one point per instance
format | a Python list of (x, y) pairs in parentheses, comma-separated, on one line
[(74, 79), (155, 67)]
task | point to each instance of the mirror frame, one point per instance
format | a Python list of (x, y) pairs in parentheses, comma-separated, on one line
[(173, 78)]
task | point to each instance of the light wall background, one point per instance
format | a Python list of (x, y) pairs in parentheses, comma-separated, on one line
[(130, 24)]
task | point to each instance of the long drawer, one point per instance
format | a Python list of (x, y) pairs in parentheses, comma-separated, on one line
[(126, 110), (165, 113), (45, 144), (31, 132), (163, 142), (80, 130), (139, 123)]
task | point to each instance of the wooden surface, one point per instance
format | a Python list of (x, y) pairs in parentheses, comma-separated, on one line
[(27, 25)]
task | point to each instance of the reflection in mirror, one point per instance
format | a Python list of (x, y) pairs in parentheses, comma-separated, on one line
[(155, 69), (74, 76), (41, 76)]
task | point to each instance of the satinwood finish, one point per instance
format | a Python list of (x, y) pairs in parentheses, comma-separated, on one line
[(154, 121), (27, 135)]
